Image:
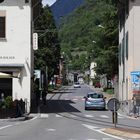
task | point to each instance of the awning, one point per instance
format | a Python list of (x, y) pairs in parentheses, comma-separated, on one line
[(6, 75), (18, 65)]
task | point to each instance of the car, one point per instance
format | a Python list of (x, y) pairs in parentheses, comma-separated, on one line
[(77, 85), (95, 100)]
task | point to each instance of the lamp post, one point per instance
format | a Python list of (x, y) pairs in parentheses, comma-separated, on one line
[(101, 26)]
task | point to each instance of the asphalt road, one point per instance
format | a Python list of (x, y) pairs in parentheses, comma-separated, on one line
[(64, 118)]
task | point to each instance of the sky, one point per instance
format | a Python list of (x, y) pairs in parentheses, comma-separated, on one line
[(49, 2)]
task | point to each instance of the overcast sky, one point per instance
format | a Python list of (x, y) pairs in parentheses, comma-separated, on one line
[(49, 2)]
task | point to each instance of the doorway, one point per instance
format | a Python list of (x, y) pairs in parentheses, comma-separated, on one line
[(6, 86)]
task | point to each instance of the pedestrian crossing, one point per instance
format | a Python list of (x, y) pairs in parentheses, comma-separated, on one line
[(95, 139), (45, 115)]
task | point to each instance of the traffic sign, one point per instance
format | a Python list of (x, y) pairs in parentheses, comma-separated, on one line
[(37, 74), (35, 41), (113, 104), (135, 76)]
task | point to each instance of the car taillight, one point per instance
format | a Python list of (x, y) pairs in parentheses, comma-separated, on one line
[(88, 100)]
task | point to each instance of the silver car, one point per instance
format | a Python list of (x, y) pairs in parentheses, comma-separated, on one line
[(77, 85), (95, 100)]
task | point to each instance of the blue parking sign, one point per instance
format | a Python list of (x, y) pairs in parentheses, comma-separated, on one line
[(135, 76)]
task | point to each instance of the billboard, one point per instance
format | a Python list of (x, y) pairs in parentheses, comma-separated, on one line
[(135, 81)]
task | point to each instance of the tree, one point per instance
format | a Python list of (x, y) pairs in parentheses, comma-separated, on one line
[(81, 28), (48, 53)]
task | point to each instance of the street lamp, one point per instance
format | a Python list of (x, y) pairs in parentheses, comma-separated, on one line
[(101, 26), (94, 41)]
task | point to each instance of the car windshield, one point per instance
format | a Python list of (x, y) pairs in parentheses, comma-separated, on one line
[(95, 95)]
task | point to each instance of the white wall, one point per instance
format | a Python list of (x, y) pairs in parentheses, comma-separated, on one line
[(17, 45), (133, 62)]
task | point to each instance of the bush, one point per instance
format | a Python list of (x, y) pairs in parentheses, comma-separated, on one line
[(110, 91), (8, 101)]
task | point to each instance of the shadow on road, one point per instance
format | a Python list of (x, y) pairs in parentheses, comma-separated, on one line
[(56, 106)]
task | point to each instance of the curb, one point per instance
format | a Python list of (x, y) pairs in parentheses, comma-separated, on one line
[(128, 133)]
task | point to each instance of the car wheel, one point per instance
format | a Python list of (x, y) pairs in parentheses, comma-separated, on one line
[(86, 108)]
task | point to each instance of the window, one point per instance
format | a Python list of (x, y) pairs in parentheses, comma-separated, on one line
[(2, 27), (120, 54), (127, 45), (95, 95), (123, 51)]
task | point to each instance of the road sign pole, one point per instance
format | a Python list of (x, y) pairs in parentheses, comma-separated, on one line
[(114, 114)]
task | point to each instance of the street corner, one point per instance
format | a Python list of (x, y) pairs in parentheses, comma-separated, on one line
[(123, 132), (130, 116)]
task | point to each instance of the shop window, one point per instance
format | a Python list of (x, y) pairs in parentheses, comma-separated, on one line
[(2, 27)]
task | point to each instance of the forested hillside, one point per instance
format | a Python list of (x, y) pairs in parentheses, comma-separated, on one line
[(91, 34), (62, 8)]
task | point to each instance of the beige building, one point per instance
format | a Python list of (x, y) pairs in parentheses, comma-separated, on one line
[(129, 51)]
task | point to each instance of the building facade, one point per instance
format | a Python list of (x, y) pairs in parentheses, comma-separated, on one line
[(16, 49), (129, 47), (92, 72)]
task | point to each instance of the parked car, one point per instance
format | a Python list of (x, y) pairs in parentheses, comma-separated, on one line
[(77, 85), (95, 100)]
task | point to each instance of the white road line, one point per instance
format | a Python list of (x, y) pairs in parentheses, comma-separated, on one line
[(44, 115), (104, 116), (5, 127), (107, 139), (90, 127), (58, 116), (120, 117), (91, 139), (89, 116), (94, 128), (116, 137), (74, 99), (73, 116), (50, 130)]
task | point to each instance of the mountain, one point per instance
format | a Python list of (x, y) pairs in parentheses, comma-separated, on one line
[(62, 8)]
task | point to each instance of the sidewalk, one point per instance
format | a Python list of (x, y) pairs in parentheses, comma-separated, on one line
[(123, 132), (119, 131)]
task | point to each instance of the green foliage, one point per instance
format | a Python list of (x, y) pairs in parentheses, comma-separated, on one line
[(80, 29), (6, 103), (109, 91), (48, 53)]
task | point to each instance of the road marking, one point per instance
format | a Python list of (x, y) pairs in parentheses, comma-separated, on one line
[(44, 115), (73, 116), (89, 116), (116, 137), (74, 99), (107, 139), (58, 116), (5, 127), (96, 129), (90, 127), (50, 130), (104, 116), (91, 139), (120, 117)]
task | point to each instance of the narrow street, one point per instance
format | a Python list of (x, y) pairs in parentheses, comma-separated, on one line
[(64, 118)]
